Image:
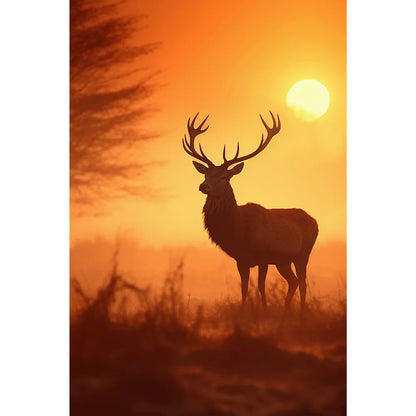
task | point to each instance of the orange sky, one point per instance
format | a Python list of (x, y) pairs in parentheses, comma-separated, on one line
[(234, 60)]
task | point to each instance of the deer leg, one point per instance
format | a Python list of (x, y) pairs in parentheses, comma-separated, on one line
[(244, 274), (301, 273), (287, 273), (262, 283)]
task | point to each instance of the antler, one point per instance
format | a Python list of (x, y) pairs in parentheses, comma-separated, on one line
[(271, 132), (190, 146)]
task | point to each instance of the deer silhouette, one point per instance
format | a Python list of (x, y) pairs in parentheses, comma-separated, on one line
[(252, 234)]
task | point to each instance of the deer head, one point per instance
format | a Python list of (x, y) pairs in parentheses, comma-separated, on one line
[(217, 178)]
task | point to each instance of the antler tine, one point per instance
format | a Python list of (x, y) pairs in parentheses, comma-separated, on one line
[(203, 121), (191, 127), (193, 132), (193, 120), (236, 154), (274, 120), (203, 154), (185, 145), (271, 132), (264, 123)]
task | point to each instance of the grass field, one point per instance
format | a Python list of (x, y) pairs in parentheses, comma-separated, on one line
[(136, 351)]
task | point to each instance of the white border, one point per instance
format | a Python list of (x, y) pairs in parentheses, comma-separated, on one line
[(34, 214), (381, 208)]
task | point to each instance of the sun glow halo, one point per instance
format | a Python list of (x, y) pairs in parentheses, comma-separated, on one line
[(309, 99)]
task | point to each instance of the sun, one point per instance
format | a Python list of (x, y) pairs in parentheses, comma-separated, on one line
[(309, 99)]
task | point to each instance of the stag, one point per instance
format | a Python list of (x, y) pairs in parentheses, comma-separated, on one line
[(252, 234)]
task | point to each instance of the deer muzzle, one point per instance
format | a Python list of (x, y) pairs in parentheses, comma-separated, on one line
[(204, 188)]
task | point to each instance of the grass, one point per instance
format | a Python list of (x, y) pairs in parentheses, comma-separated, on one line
[(139, 352)]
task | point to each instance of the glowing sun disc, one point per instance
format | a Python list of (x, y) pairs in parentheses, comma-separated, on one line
[(309, 99)]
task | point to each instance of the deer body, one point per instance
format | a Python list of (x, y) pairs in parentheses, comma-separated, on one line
[(252, 234), (255, 235)]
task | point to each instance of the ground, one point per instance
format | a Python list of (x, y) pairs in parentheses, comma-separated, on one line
[(134, 352)]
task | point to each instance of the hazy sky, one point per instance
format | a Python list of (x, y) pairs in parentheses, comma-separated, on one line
[(234, 60)]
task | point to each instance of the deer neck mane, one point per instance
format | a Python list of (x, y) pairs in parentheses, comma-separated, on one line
[(220, 216)]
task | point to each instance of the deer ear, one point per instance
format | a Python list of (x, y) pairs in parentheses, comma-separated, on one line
[(236, 169), (200, 167)]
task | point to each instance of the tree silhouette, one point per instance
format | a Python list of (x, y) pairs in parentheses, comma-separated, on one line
[(109, 86)]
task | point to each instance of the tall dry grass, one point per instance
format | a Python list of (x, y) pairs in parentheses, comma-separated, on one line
[(141, 351)]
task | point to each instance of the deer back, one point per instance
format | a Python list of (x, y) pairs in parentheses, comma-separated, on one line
[(274, 231)]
